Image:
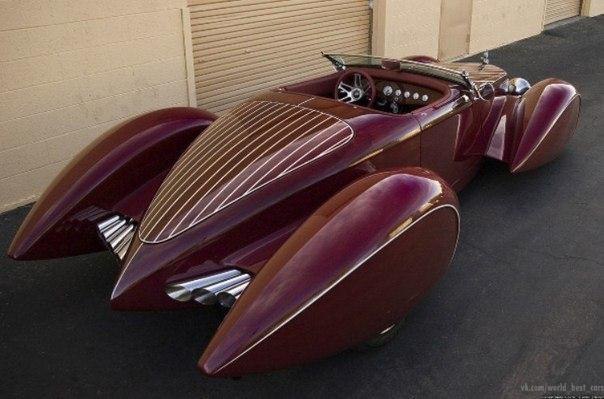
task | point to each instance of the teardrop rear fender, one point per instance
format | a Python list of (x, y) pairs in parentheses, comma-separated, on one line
[(118, 172), (354, 268)]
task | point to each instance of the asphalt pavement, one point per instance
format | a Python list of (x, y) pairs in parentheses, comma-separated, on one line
[(521, 307)]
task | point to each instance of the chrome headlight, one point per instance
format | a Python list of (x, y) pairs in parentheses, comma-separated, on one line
[(518, 86)]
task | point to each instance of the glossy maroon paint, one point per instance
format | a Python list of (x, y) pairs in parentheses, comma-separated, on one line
[(246, 225), (550, 115), (307, 236), (118, 171), (361, 217)]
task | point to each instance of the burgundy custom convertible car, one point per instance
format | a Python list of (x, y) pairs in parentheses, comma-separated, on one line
[(319, 212)]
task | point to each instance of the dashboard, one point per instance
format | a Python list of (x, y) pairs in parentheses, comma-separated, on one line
[(400, 98)]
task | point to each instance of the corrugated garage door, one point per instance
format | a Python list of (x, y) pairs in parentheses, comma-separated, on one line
[(242, 47), (556, 10)]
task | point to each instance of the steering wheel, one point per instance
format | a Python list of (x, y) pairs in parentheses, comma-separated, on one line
[(355, 86)]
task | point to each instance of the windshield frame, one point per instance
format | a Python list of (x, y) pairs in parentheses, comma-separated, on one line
[(339, 61)]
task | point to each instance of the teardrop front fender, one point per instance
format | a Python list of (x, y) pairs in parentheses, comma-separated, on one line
[(549, 114), (353, 269)]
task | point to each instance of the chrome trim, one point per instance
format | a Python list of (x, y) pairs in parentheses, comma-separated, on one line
[(206, 289), (207, 295), (339, 279), (487, 91), (450, 109), (183, 291), (227, 298), (355, 91), (384, 331), (117, 232), (111, 225), (113, 229), (108, 222), (368, 156), (119, 239), (122, 247), (518, 86), (423, 68), (396, 231), (484, 60)]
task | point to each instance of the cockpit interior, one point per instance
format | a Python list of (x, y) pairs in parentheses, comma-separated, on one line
[(399, 86), (382, 87)]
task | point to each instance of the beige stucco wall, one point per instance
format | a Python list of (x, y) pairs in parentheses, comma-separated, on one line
[(70, 70), (405, 27), (496, 22), (591, 8)]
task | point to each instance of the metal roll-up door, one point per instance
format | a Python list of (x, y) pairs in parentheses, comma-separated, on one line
[(556, 10), (243, 47)]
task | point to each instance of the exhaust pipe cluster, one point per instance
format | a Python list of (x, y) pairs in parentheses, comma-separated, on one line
[(118, 232), (224, 288)]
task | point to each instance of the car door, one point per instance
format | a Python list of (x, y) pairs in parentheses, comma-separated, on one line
[(446, 129)]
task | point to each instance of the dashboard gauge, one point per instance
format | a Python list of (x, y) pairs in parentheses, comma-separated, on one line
[(397, 92), (415, 96), (387, 90), (425, 98), (381, 102), (407, 94)]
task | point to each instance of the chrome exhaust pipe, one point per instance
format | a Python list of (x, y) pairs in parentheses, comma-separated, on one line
[(227, 298), (106, 223), (122, 246), (120, 236), (123, 249), (208, 295), (183, 291), (114, 228), (117, 231)]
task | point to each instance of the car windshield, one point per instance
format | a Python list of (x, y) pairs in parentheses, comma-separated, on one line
[(352, 60), (343, 61)]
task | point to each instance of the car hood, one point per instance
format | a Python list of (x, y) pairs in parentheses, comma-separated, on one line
[(253, 145)]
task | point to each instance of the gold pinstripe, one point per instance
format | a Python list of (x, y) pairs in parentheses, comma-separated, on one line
[(231, 136), (220, 156), (208, 151), (180, 173)]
